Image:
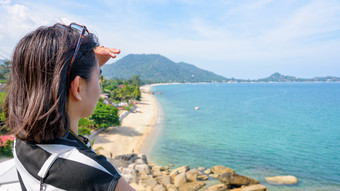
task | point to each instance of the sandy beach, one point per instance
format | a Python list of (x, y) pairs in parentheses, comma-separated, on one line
[(133, 134)]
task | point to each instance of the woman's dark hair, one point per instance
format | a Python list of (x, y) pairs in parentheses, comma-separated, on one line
[(36, 104)]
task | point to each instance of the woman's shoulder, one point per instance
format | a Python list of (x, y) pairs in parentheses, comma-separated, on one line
[(74, 166)]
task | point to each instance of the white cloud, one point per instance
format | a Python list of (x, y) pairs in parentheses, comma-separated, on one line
[(5, 2)]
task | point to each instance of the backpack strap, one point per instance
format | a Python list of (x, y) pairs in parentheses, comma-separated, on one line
[(47, 165)]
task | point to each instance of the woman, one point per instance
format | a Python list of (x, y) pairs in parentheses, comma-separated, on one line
[(54, 82)]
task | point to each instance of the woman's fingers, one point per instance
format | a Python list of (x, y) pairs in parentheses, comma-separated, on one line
[(103, 54), (106, 51)]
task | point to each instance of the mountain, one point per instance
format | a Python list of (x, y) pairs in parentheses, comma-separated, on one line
[(157, 68), (277, 77)]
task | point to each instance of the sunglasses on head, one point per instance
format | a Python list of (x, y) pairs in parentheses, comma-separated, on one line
[(83, 32)]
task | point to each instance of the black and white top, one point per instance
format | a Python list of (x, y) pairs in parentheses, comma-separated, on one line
[(64, 164)]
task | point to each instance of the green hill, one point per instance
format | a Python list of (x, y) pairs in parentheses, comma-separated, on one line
[(277, 77), (157, 68)]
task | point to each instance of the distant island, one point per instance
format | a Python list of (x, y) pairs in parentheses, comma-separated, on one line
[(277, 77)]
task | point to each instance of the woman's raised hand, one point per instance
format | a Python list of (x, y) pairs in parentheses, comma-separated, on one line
[(104, 54)]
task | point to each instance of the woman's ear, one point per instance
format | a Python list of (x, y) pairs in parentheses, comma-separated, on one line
[(75, 88)]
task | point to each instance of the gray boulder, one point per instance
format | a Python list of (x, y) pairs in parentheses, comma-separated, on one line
[(254, 187), (192, 175), (192, 186), (142, 168), (208, 171), (217, 187), (180, 179), (124, 160), (232, 179), (166, 179), (218, 169), (159, 187), (279, 180), (202, 177), (171, 187), (181, 169), (157, 173)]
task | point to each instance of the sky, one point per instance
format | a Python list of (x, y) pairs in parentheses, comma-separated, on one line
[(246, 39)]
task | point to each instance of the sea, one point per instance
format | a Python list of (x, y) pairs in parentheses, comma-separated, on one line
[(257, 129)]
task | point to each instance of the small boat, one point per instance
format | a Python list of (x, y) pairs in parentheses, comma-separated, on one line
[(197, 108)]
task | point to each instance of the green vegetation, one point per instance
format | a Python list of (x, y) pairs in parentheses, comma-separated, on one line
[(6, 148), (153, 68), (119, 90)]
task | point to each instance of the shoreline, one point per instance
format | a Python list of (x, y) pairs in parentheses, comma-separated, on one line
[(151, 135), (138, 131)]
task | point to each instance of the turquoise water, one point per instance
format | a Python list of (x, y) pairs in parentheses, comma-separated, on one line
[(259, 130)]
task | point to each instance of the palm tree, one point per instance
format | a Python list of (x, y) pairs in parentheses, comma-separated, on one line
[(101, 82), (124, 91)]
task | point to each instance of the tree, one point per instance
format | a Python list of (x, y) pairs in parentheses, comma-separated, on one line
[(135, 80), (84, 126), (105, 116), (136, 93), (101, 81)]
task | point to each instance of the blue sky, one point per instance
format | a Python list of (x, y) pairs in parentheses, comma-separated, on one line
[(242, 39)]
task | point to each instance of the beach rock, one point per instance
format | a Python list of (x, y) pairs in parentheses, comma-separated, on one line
[(164, 168), (159, 187), (191, 186), (236, 180), (192, 175), (156, 167), (170, 165), (151, 182), (124, 160), (127, 171), (140, 161), (156, 173), (173, 174), (218, 169), (180, 179), (132, 166), (217, 187), (128, 178), (254, 187), (202, 177), (181, 169), (140, 168), (214, 175), (171, 187), (201, 168), (282, 180), (143, 177), (129, 175), (165, 180), (143, 157), (208, 171)]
